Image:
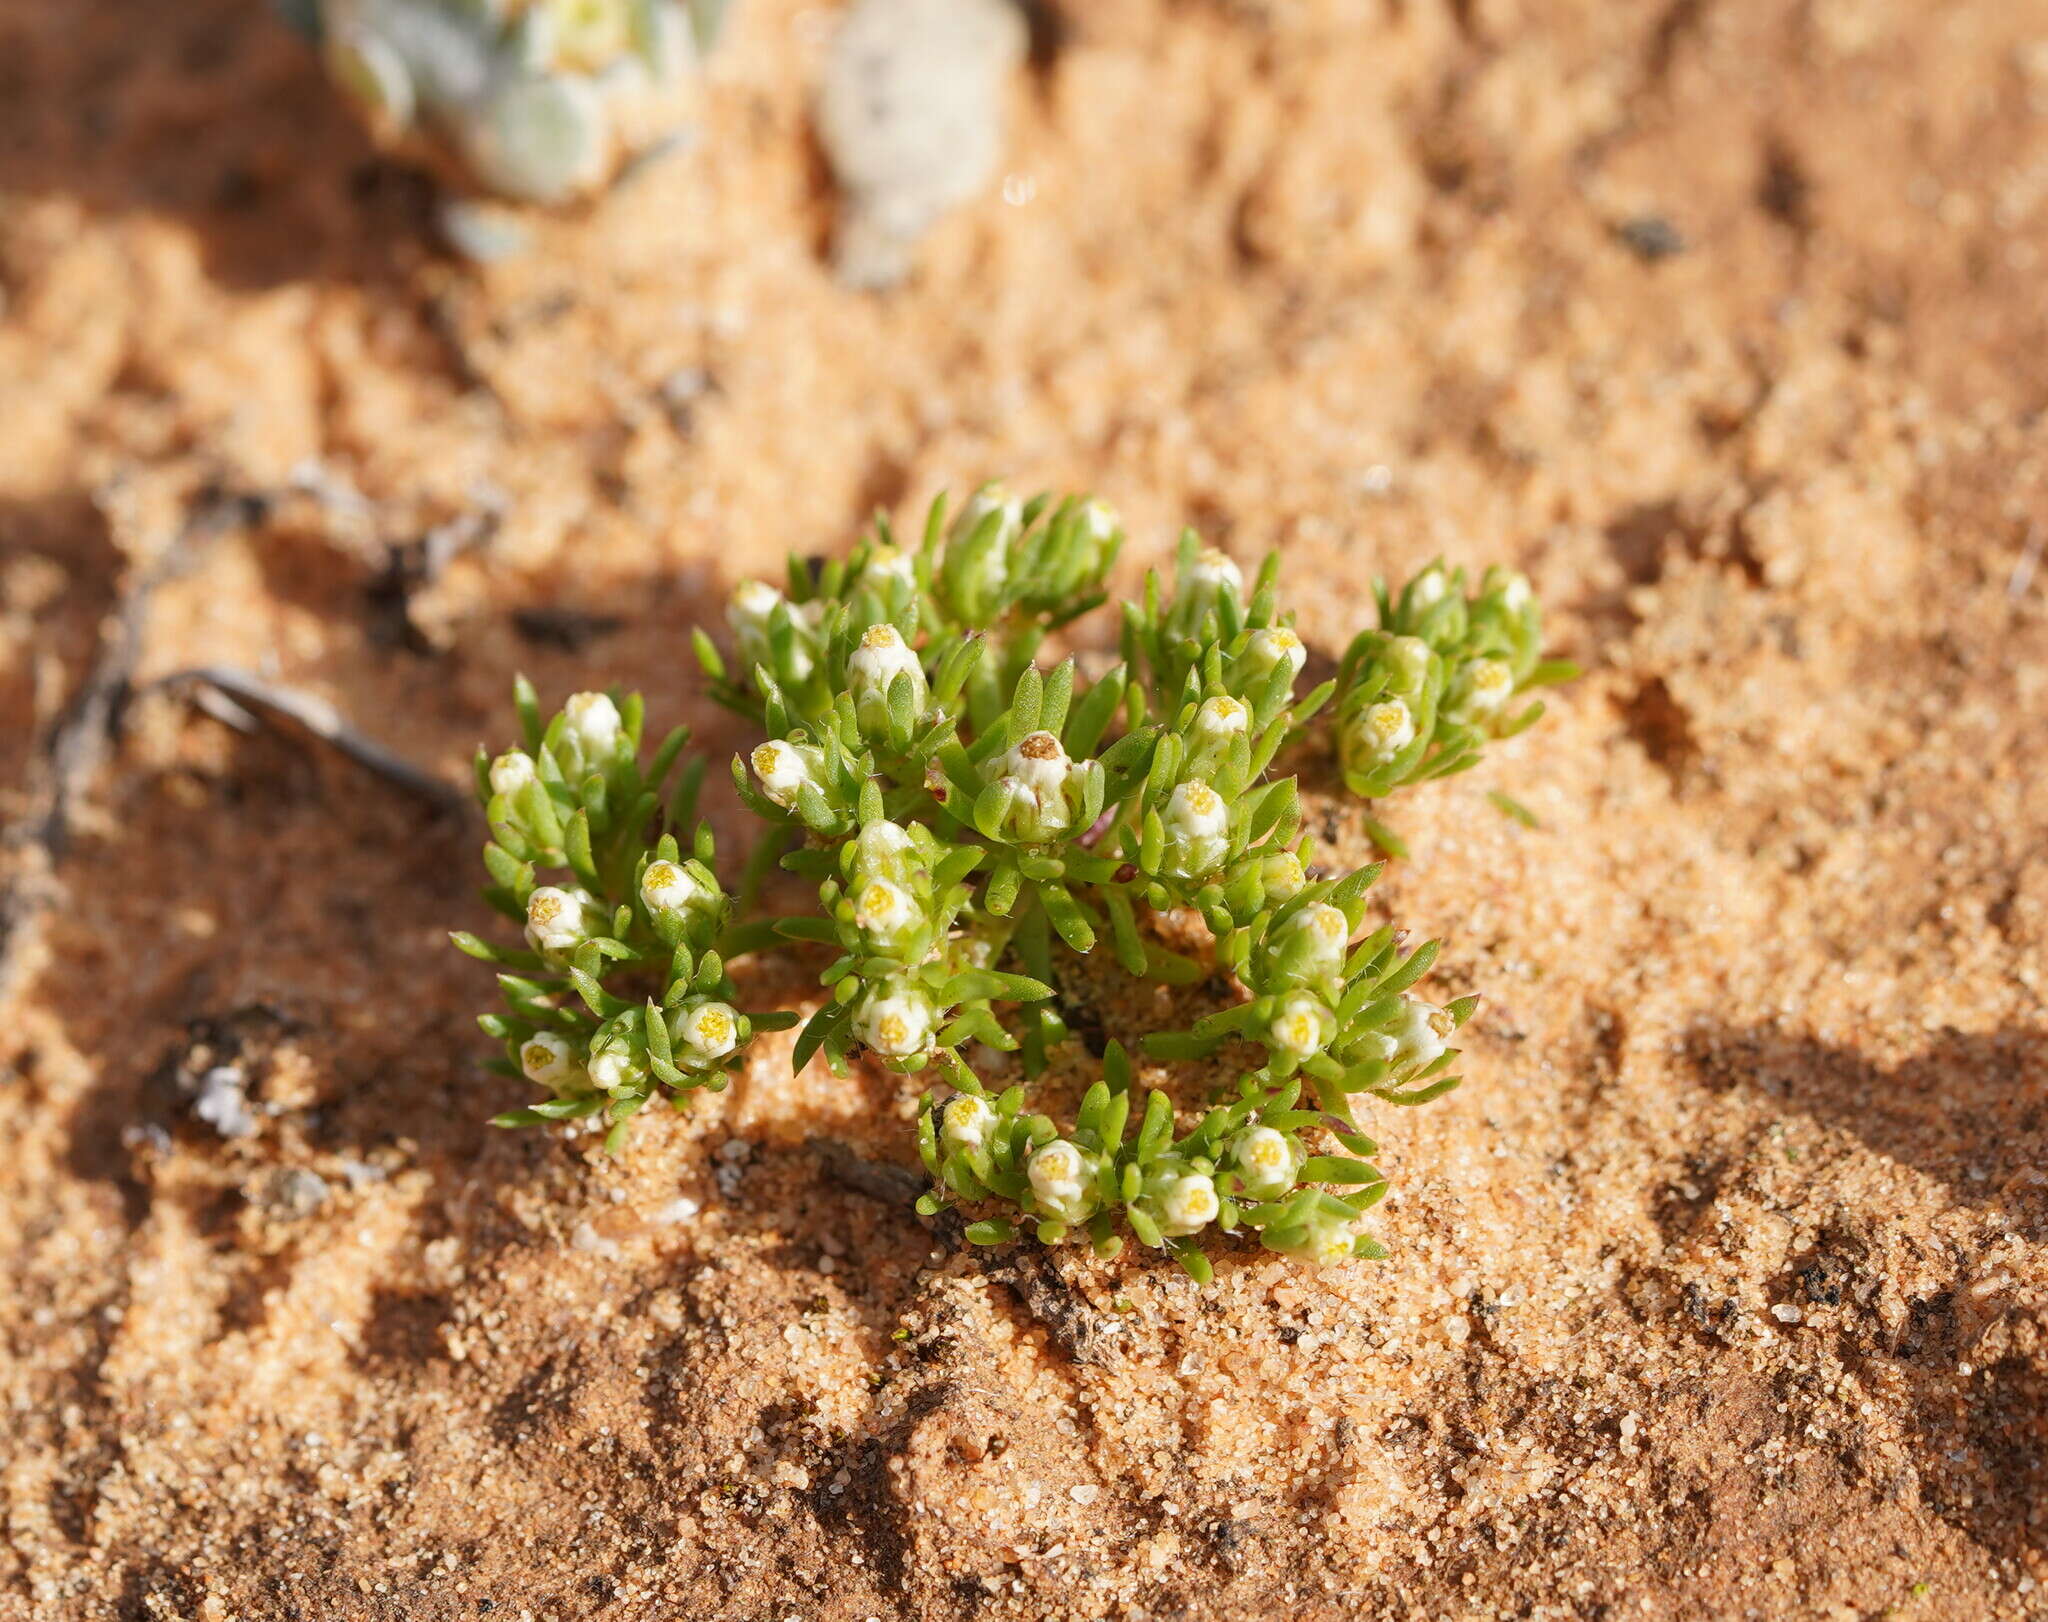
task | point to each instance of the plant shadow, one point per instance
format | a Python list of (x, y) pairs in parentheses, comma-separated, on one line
[(214, 113), (1969, 1111)]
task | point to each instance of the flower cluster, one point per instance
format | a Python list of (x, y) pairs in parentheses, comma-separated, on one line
[(605, 913), (538, 101), (1244, 1164), (1439, 679), (967, 814)]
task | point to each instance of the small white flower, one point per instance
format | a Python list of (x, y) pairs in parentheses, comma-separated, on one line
[(1220, 719), (1189, 1206), (888, 563), (1420, 1038), (1303, 1026), (559, 920), (1281, 875), (548, 1059), (1040, 762), (512, 771), (1277, 645), (1059, 1177), (594, 723), (783, 771), (709, 1032), (1384, 730), (885, 910), (671, 887), (1197, 828), (1196, 811), (1334, 1244), (1484, 687), (992, 570), (1099, 519), (882, 656), (613, 1069), (1514, 592), (896, 1024), (966, 1122), (1213, 570), (749, 611), (1317, 937), (989, 498), (752, 602), (1266, 1162), (1035, 771)]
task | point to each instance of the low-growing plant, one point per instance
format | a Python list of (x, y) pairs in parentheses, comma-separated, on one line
[(537, 101), (968, 813)]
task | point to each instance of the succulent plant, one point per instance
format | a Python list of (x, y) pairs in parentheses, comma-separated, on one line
[(967, 815), (534, 101)]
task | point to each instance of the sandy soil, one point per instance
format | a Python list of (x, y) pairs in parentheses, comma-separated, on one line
[(1719, 1290)]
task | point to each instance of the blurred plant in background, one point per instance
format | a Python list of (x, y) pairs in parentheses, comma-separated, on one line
[(534, 101), (967, 814)]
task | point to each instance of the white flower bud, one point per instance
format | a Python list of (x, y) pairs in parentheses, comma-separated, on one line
[(782, 770), (559, 920), (1420, 1038), (512, 771), (613, 1069), (1303, 1026), (752, 606), (709, 1032), (548, 1059), (751, 603), (1197, 829), (1266, 1162), (1409, 655), (671, 887), (1059, 1175), (1099, 519), (1274, 646), (1211, 571), (594, 724), (1515, 592), (989, 498), (1040, 761), (1189, 1205), (896, 1024), (880, 843), (966, 1122), (1221, 719), (1040, 769), (882, 656), (887, 563), (885, 910), (1281, 876), (1383, 731), (1428, 588)]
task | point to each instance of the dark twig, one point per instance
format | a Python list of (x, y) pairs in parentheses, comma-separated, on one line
[(249, 700), (76, 745)]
